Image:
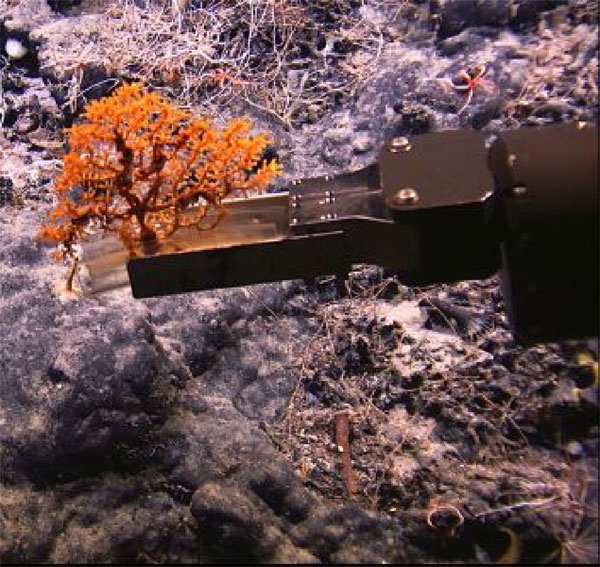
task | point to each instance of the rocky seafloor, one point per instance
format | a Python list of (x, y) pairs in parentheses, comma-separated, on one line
[(201, 428)]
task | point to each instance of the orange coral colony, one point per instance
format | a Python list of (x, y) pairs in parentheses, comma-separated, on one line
[(142, 167)]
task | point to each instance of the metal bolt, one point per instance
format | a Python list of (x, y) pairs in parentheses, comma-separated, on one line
[(406, 196), (518, 191), (512, 158), (399, 144)]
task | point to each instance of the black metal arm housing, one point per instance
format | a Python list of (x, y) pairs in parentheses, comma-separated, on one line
[(547, 187), (437, 207)]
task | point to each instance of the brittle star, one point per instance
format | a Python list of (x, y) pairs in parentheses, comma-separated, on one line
[(468, 80)]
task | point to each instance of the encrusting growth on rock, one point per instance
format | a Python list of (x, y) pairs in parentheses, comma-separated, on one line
[(142, 167)]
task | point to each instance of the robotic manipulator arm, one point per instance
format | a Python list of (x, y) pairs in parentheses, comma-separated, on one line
[(437, 207)]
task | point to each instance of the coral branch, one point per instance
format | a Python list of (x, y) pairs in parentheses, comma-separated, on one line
[(142, 167)]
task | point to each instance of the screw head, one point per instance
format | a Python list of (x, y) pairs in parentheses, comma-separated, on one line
[(406, 196), (399, 144)]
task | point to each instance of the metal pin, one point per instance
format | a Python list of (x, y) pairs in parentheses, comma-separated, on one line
[(399, 144), (328, 216)]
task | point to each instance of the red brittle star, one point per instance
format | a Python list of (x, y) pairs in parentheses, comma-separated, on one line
[(468, 80)]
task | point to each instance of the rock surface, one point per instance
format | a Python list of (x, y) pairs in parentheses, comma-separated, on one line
[(202, 427)]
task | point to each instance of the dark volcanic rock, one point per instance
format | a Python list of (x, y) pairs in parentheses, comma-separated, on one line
[(456, 15)]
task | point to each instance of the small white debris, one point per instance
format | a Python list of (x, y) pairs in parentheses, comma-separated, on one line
[(15, 49), (575, 449)]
